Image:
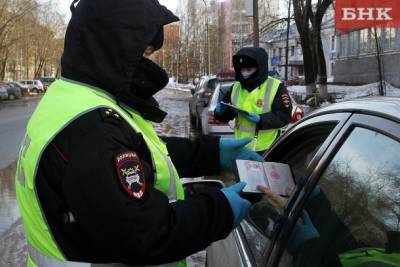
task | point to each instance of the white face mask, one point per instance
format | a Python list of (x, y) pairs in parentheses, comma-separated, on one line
[(247, 74)]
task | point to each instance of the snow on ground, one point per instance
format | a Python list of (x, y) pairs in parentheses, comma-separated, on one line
[(351, 92)]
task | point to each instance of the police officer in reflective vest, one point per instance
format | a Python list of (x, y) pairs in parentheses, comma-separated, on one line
[(95, 184), (265, 99)]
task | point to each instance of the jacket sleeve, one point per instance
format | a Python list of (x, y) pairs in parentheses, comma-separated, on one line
[(228, 115), (281, 113), (114, 226), (195, 158)]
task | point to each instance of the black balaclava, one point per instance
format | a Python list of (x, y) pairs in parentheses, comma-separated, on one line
[(251, 57), (104, 47)]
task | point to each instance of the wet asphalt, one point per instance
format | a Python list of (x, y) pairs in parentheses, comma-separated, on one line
[(14, 117)]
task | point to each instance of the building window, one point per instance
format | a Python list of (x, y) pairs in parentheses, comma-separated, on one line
[(274, 52), (344, 45), (333, 46), (365, 41), (292, 51), (354, 43), (280, 53), (389, 42)]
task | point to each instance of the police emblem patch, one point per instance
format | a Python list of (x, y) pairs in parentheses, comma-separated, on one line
[(130, 174), (260, 103)]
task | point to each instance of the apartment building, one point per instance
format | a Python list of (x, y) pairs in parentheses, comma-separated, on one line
[(357, 61)]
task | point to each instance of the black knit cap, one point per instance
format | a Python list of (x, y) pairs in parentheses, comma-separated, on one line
[(245, 62)]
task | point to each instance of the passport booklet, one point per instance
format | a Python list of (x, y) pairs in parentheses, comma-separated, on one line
[(277, 177)]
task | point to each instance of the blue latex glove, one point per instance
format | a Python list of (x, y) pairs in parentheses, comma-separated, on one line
[(252, 117), (234, 149), (220, 109), (240, 207), (302, 233)]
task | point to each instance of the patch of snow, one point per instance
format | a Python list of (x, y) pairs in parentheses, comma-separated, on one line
[(351, 92)]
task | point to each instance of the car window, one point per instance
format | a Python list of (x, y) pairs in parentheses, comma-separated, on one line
[(211, 84), (297, 151), (355, 209), (224, 90), (30, 82)]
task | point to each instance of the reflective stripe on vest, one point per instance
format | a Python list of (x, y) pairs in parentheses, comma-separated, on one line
[(259, 101), (41, 260), (64, 102)]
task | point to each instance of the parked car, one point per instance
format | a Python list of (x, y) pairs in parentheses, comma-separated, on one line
[(47, 81), (345, 163), (201, 96), (209, 125), (24, 89), (14, 91), (35, 86), (3, 92)]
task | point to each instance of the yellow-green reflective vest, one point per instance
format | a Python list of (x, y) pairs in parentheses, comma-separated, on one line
[(369, 257), (64, 102), (259, 101)]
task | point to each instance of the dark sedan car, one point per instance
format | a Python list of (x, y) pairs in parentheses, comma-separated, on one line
[(345, 210), (19, 89), (201, 97), (13, 92)]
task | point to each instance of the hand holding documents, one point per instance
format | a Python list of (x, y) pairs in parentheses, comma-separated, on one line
[(275, 176)]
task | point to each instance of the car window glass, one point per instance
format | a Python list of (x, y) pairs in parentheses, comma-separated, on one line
[(225, 89), (30, 82), (297, 151), (200, 86), (355, 210), (212, 84)]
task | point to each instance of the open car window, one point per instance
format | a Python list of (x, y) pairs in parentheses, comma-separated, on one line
[(297, 150), (353, 215)]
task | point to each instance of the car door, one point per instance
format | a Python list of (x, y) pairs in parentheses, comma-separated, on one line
[(350, 203), (301, 146)]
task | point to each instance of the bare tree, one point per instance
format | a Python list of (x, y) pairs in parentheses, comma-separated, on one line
[(308, 16)]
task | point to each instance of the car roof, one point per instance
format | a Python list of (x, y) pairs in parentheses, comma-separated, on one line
[(388, 107)]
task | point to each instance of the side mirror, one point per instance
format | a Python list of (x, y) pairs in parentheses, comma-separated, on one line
[(193, 186)]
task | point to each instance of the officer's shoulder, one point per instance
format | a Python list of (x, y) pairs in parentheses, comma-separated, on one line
[(109, 115)]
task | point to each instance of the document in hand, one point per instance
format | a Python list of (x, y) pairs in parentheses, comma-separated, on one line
[(235, 109), (275, 176)]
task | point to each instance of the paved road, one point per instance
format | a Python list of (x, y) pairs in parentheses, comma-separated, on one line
[(13, 119)]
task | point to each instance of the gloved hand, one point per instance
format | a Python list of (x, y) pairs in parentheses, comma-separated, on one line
[(252, 117), (220, 109), (234, 149), (240, 207), (302, 233)]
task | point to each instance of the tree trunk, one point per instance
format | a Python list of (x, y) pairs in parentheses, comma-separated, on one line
[(310, 70), (322, 79)]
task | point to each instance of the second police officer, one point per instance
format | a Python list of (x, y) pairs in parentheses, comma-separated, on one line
[(265, 99)]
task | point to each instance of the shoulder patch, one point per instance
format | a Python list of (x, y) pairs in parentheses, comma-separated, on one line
[(130, 174)]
